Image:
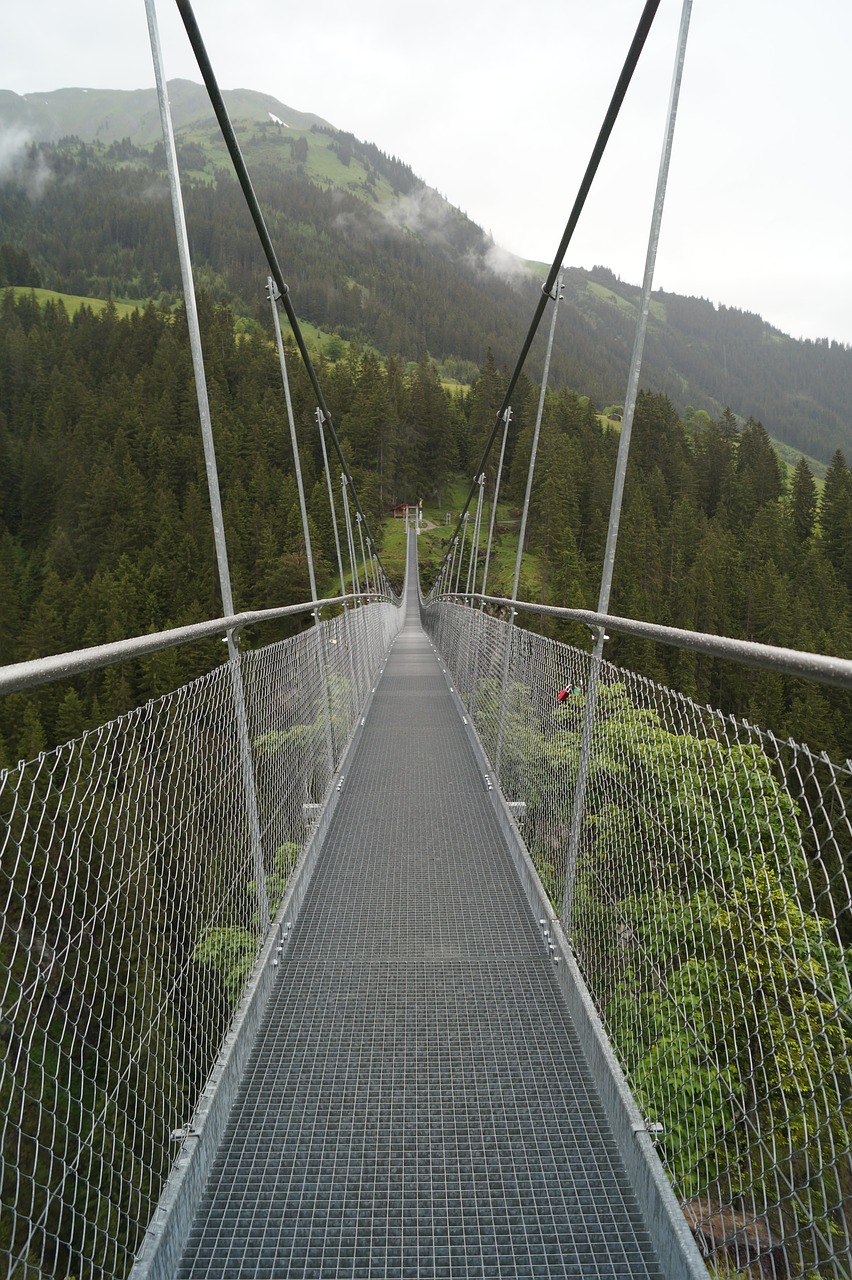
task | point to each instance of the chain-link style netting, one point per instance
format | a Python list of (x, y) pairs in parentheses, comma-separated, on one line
[(710, 915), (132, 915)]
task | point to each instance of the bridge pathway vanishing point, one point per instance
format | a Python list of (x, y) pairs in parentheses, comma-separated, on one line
[(417, 1102)]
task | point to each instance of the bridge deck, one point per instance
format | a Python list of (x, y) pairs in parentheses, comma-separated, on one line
[(417, 1103)]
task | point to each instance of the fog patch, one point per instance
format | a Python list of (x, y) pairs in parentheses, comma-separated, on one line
[(428, 215), (153, 193), (348, 225), (21, 163), (442, 226), (503, 264)]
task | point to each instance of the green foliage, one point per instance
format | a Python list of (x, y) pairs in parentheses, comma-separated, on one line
[(230, 952), (284, 862), (718, 985)]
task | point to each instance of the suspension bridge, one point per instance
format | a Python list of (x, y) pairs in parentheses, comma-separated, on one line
[(420, 944)]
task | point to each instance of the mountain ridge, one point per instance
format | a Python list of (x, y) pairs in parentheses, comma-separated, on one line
[(109, 115)]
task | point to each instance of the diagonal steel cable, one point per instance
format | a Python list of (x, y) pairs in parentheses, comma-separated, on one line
[(217, 102), (630, 63)]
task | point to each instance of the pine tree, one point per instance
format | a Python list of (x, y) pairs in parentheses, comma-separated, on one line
[(835, 515), (803, 498)]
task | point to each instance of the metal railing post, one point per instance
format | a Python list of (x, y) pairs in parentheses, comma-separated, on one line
[(320, 419), (347, 638), (273, 294), (578, 811), (359, 523), (504, 685), (353, 563), (474, 550), (507, 418), (452, 562), (353, 559), (191, 304), (465, 523), (557, 298), (508, 645)]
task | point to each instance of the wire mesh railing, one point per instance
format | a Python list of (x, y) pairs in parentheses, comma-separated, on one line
[(710, 915), (131, 921)]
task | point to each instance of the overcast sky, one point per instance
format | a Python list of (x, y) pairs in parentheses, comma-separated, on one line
[(498, 106)]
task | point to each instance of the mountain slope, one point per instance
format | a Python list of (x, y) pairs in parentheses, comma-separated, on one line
[(370, 250)]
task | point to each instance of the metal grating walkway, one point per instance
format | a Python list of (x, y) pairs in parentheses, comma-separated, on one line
[(417, 1103)]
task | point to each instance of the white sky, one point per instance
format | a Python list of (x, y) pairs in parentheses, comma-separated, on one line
[(497, 105)]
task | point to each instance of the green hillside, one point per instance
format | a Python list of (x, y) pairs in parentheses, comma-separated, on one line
[(72, 303), (371, 254)]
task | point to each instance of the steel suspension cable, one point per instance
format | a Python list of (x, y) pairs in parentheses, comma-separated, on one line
[(331, 502), (507, 418), (194, 331), (353, 563), (217, 102), (522, 533), (589, 713), (465, 523), (630, 63), (306, 529), (474, 550)]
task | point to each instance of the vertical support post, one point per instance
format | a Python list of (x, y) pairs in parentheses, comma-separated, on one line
[(320, 420), (347, 622), (451, 579), (274, 294), (465, 523), (353, 563), (578, 811), (508, 645), (557, 296), (374, 568), (474, 550), (359, 522), (194, 327), (507, 418)]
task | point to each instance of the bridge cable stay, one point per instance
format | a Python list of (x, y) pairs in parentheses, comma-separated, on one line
[(353, 560), (347, 620), (578, 808), (450, 564), (306, 532), (477, 525), (217, 102), (522, 532), (360, 525), (465, 519), (327, 469), (507, 418), (247, 766), (630, 63)]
